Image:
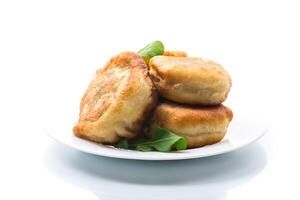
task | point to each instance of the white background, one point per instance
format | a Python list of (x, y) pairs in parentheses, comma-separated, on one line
[(49, 50)]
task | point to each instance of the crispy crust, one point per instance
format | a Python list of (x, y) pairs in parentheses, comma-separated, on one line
[(199, 125), (190, 80), (117, 101), (175, 53)]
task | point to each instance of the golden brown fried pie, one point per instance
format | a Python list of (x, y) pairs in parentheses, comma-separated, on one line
[(190, 80), (199, 125), (117, 101)]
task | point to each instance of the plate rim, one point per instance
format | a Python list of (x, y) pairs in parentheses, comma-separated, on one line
[(160, 158)]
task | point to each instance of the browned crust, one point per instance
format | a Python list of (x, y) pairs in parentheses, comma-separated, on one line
[(80, 132), (175, 53), (125, 59), (138, 125), (169, 112), (202, 140), (199, 125), (125, 127), (142, 121), (209, 85)]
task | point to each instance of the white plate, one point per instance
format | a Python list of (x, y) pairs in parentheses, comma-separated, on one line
[(240, 133)]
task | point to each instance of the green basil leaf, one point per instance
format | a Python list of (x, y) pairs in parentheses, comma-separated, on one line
[(162, 140), (153, 49)]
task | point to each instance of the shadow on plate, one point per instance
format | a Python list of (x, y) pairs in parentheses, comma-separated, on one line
[(109, 178)]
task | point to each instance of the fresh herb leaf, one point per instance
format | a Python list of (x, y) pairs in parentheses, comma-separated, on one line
[(144, 148), (123, 144), (162, 140), (181, 144), (155, 48)]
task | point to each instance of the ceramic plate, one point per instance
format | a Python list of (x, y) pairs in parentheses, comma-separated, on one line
[(240, 133)]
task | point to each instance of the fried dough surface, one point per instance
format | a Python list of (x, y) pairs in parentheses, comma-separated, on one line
[(190, 80), (199, 125), (117, 101), (175, 53)]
